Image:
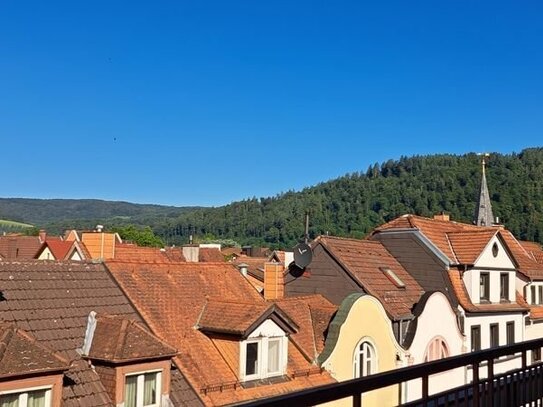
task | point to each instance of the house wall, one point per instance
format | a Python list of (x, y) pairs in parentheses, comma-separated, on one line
[(487, 259), (20, 385), (472, 281), (46, 255), (484, 322), (366, 319), (99, 244), (438, 319), (323, 276), (534, 330)]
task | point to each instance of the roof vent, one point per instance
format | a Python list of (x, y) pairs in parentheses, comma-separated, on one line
[(99, 228)]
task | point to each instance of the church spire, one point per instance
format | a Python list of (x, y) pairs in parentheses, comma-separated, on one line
[(483, 212)]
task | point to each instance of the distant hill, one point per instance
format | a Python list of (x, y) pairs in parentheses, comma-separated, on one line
[(351, 205), (42, 212), (354, 204)]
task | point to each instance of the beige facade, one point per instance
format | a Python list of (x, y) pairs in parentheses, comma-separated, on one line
[(362, 319)]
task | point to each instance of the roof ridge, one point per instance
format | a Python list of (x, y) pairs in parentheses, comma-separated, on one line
[(121, 340)]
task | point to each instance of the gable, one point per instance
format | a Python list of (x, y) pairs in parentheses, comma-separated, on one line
[(267, 328), (490, 257), (46, 254)]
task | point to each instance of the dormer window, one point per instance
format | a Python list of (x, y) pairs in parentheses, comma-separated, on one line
[(263, 357)]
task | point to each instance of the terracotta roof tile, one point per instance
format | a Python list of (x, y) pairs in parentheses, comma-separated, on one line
[(131, 252), (468, 246), (312, 314), (438, 231), (118, 340), (534, 250), (21, 354), (19, 247), (171, 297), (52, 301), (209, 254), (367, 262)]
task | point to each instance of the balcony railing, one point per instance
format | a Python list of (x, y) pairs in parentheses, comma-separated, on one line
[(519, 387)]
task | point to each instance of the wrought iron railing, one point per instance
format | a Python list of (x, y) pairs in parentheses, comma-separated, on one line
[(519, 387)]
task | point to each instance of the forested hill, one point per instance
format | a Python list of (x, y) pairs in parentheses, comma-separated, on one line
[(354, 204), (45, 211)]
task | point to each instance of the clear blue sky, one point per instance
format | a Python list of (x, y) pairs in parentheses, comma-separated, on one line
[(202, 103)]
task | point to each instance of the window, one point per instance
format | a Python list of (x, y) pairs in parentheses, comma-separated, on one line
[(504, 286), (142, 389), (484, 286), (533, 299), (495, 249), (540, 291), (28, 398), (475, 338), (510, 328), (263, 357), (494, 335), (394, 279), (437, 349), (365, 360)]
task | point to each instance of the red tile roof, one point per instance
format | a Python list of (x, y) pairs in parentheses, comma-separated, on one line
[(21, 354), (209, 254), (312, 314), (534, 250), (119, 340), (59, 249), (170, 297), (468, 246), (239, 318), (131, 252), (366, 261), (52, 301), (19, 247), (439, 232)]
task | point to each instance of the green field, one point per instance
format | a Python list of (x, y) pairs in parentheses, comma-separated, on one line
[(12, 224)]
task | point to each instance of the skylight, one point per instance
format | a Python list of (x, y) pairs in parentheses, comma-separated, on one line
[(394, 279)]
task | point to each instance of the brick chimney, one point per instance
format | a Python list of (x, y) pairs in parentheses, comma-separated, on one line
[(442, 216), (274, 287), (42, 235)]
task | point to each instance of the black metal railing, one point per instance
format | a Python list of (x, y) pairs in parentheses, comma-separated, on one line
[(519, 387)]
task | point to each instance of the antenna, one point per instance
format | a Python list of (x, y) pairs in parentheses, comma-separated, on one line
[(306, 235)]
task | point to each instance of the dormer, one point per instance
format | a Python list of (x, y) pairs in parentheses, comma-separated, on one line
[(490, 268), (30, 373), (258, 333), (133, 364)]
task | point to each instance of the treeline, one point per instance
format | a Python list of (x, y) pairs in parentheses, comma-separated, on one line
[(356, 203)]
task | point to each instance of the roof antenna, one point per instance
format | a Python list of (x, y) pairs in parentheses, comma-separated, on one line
[(306, 235)]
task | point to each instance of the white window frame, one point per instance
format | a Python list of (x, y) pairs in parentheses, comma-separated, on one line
[(373, 359), (262, 357), (23, 394), (140, 387)]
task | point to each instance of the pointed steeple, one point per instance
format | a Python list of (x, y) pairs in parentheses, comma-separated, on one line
[(483, 212)]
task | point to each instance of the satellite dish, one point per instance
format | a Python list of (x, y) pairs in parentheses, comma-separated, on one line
[(302, 255)]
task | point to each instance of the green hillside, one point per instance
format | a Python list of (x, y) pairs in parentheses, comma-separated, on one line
[(354, 204)]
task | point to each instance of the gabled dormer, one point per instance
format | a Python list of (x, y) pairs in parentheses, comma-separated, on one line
[(30, 373), (257, 334), (489, 267), (133, 364)]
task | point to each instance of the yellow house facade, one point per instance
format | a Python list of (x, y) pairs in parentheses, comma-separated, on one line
[(360, 342)]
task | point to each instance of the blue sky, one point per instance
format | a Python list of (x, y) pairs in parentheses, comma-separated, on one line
[(203, 103)]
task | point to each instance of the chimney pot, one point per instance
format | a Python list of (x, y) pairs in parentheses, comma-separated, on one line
[(42, 235), (442, 216)]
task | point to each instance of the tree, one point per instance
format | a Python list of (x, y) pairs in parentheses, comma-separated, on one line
[(142, 236)]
